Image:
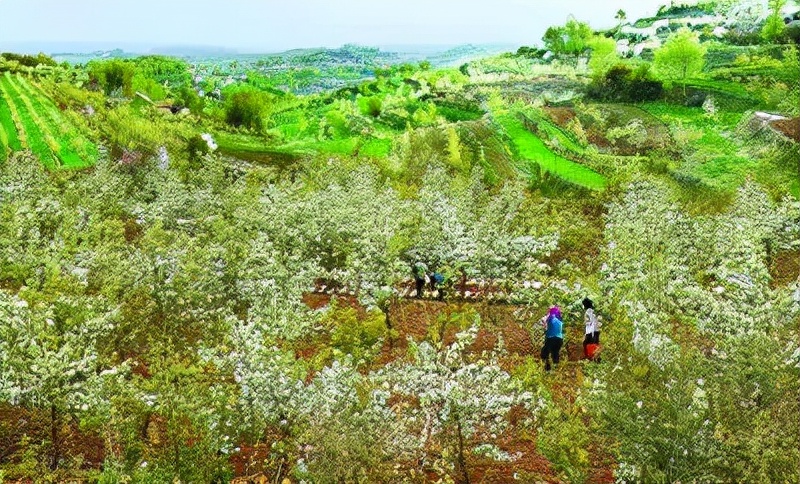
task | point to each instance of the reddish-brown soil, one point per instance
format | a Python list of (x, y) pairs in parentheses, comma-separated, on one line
[(615, 116), (18, 424), (560, 116), (785, 268), (789, 128), (418, 319), (529, 465)]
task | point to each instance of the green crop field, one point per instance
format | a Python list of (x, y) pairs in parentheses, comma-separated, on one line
[(27, 122), (532, 149), (9, 141), (31, 120), (74, 149), (10, 137)]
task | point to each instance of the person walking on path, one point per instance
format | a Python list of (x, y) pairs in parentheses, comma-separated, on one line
[(592, 336), (554, 336)]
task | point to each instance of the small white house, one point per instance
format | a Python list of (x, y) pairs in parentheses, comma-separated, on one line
[(652, 44)]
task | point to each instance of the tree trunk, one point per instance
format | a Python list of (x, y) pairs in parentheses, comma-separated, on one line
[(54, 431), (684, 80), (462, 462), (388, 323)]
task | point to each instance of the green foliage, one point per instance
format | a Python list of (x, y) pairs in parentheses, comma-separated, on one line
[(35, 137), (533, 150), (532, 52), (149, 87), (71, 147), (572, 39), (246, 107), (128, 131), (774, 29), (353, 334), (454, 158), (457, 112), (678, 10), (604, 54), (680, 58), (164, 71), (564, 438), (370, 106), (113, 76), (196, 146), (10, 138), (187, 97), (29, 60), (623, 83)]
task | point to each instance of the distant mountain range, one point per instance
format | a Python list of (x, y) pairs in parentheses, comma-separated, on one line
[(84, 51)]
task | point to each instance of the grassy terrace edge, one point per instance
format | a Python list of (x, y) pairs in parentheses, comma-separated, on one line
[(532, 149)]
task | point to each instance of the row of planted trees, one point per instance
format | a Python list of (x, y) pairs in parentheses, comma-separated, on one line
[(164, 317)]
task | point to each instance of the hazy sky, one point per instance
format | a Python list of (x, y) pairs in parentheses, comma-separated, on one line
[(272, 25)]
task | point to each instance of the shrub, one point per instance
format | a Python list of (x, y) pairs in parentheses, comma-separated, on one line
[(29, 60), (370, 106), (622, 83), (530, 52), (196, 146), (352, 334), (246, 108), (187, 97), (112, 76)]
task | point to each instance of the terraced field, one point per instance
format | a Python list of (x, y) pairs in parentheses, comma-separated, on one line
[(533, 150), (30, 120)]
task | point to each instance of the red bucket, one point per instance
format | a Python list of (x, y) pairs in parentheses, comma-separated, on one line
[(592, 350)]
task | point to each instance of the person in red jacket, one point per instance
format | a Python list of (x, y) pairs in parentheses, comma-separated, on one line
[(592, 334)]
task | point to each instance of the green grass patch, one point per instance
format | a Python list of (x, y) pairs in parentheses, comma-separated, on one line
[(35, 137), (73, 149), (42, 123), (10, 138), (724, 171), (14, 140), (718, 157), (694, 116), (565, 140), (350, 146), (736, 89), (345, 146), (3, 146), (533, 150), (455, 113), (376, 147), (240, 142)]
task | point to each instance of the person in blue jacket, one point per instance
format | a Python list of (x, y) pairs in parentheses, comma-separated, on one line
[(437, 278), (554, 336)]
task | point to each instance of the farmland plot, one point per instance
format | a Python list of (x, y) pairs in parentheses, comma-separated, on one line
[(30, 120), (533, 150)]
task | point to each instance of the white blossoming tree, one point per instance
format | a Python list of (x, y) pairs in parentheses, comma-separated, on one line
[(475, 232), (48, 361), (696, 307), (451, 400)]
